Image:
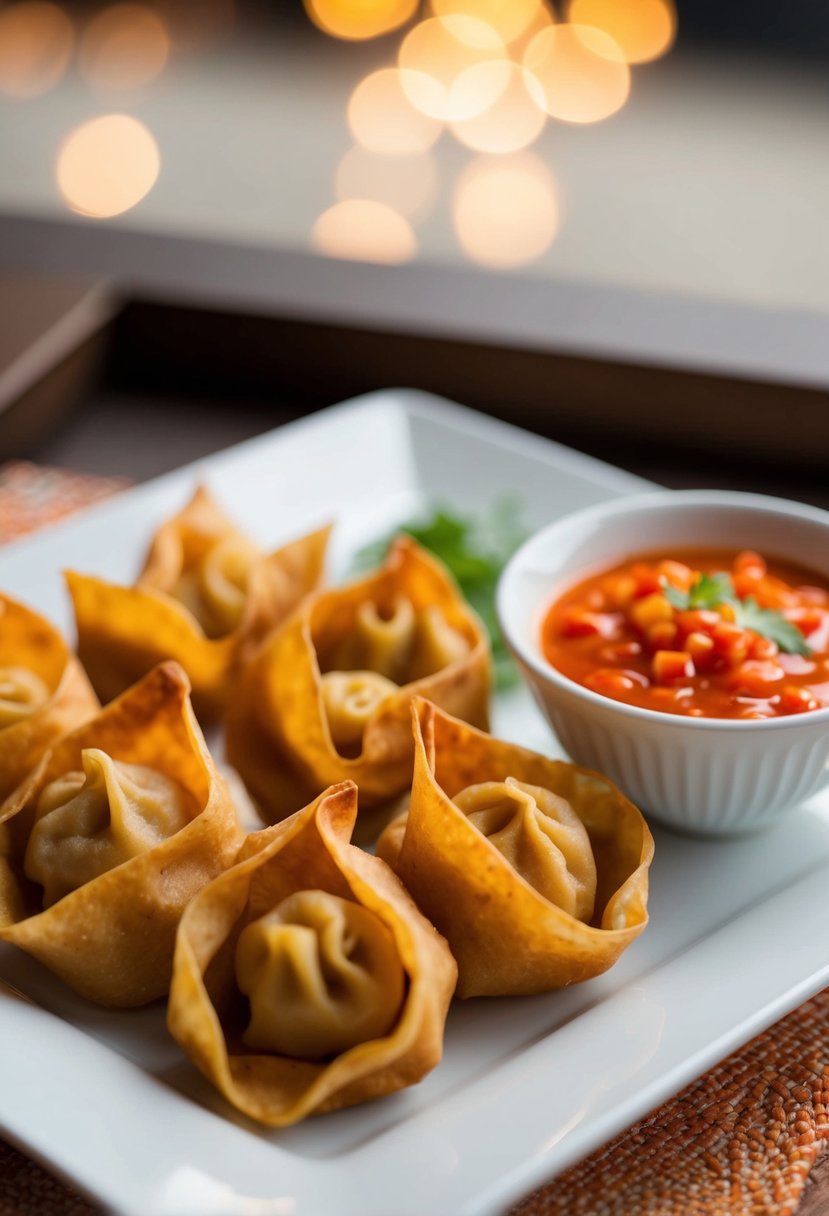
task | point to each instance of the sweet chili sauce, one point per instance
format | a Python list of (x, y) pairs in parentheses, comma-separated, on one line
[(706, 633)]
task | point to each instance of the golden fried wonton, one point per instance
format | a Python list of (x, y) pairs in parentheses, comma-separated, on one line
[(535, 871), (327, 698), (44, 691), (206, 597), (104, 844), (305, 979)]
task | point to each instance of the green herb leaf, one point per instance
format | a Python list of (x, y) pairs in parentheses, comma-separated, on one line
[(676, 598), (711, 590), (475, 549), (706, 591), (770, 624)]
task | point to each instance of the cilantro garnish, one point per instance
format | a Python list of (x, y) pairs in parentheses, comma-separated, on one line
[(771, 625), (475, 548), (706, 591), (710, 590)]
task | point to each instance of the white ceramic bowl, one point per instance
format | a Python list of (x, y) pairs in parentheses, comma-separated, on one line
[(702, 775)]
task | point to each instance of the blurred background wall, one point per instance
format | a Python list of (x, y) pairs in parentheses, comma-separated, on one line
[(604, 218)]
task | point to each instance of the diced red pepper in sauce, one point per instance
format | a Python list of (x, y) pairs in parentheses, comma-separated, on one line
[(671, 665), (623, 633)]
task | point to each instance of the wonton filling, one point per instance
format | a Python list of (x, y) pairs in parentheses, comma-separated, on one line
[(542, 838), (383, 651), (401, 644), (90, 821), (322, 974), (350, 698), (22, 693), (214, 588)]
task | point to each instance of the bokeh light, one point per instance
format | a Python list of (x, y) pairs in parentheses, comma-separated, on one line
[(382, 119), (509, 18), (436, 60), (358, 19), (36, 43), (107, 165), (577, 73), (505, 211), (542, 20), (124, 47), (408, 184), (642, 29), (364, 230), (512, 122)]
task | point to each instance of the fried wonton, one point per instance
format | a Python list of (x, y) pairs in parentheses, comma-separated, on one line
[(305, 979), (535, 871), (327, 698), (206, 597), (104, 844), (44, 691)]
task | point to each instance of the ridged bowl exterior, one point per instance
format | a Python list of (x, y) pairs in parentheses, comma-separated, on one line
[(721, 783), (703, 776)]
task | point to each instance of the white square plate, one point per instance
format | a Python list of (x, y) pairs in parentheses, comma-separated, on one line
[(737, 936)]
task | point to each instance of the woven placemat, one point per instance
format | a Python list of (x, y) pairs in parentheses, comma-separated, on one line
[(741, 1141), (28, 1190), (33, 495)]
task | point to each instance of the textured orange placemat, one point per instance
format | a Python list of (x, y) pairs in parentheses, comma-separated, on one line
[(32, 495), (741, 1141)]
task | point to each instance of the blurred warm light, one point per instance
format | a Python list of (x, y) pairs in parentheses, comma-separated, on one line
[(363, 230), (511, 123), (408, 184), (382, 119), (124, 47), (197, 25), (541, 20), (436, 60), (509, 18), (36, 40), (357, 19), (577, 73), (505, 212), (642, 29), (107, 165)]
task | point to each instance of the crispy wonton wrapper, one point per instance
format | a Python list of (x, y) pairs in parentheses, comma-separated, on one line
[(507, 937), (279, 736), (44, 691), (206, 598), (310, 851), (112, 938)]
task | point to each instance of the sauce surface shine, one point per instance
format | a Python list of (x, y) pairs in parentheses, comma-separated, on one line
[(707, 633)]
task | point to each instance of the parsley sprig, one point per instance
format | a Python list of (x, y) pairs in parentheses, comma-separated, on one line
[(707, 591), (711, 590), (475, 548)]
